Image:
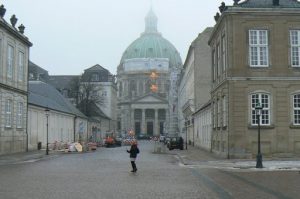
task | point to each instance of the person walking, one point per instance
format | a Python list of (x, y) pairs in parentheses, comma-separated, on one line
[(134, 150)]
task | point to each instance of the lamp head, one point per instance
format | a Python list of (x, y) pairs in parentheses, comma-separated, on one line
[(258, 108), (47, 111)]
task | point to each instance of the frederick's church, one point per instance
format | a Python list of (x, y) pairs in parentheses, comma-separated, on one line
[(147, 84)]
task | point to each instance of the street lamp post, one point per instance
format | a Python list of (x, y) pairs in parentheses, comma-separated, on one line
[(258, 110), (47, 115)]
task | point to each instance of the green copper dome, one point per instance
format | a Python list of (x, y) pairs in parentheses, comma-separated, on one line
[(152, 45)]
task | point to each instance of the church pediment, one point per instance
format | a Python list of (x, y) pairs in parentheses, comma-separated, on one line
[(150, 99)]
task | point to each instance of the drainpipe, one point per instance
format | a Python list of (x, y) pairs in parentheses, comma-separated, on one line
[(74, 128), (26, 126), (27, 95), (228, 153)]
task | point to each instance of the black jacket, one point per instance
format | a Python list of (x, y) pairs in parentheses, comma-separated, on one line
[(134, 150)]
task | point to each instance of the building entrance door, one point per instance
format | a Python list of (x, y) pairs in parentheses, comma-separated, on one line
[(161, 128), (137, 128), (150, 128)]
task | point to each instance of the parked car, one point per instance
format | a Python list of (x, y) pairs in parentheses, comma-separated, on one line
[(143, 137), (162, 138), (118, 141), (175, 143)]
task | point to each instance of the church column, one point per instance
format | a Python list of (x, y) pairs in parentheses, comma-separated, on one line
[(156, 130), (132, 119), (144, 131), (167, 121)]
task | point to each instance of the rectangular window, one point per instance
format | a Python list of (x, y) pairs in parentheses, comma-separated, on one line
[(219, 112), (214, 72), (264, 101), (95, 78), (218, 61), (21, 66), (295, 47), (20, 115), (258, 48), (296, 105), (223, 53), (224, 111), (214, 115), (10, 61), (8, 113)]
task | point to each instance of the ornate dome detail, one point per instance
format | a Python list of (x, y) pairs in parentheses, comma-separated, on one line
[(152, 45)]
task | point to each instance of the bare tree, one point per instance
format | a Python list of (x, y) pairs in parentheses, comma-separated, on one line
[(89, 93)]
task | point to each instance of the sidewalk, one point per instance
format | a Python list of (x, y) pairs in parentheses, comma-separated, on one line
[(31, 156), (196, 157)]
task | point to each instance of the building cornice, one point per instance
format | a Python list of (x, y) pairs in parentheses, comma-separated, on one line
[(252, 11), (14, 32), (13, 89)]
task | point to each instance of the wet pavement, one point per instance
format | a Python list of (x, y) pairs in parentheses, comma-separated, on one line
[(176, 174)]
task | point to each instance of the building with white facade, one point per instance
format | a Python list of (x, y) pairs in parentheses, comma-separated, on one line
[(194, 91), (65, 122)]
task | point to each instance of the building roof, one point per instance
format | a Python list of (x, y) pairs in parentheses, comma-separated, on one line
[(62, 81), (151, 44), (12, 29), (96, 67), (94, 110), (269, 4), (44, 95)]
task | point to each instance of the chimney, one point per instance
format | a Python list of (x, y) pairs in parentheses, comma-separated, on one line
[(275, 2)]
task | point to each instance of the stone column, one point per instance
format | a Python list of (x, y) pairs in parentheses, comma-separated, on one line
[(167, 121), (132, 119), (143, 122), (156, 130)]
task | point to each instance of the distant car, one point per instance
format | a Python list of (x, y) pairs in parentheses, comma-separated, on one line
[(162, 138), (143, 137), (175, 143), (118, 141)]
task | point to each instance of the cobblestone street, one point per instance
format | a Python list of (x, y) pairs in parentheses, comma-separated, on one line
[(106, 174)]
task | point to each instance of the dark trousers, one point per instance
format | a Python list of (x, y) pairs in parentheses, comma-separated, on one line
[(133, 166)]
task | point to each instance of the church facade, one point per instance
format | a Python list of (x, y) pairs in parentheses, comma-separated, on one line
[(147, 84)]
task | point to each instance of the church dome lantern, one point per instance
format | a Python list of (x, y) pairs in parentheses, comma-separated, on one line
[(151, 44)]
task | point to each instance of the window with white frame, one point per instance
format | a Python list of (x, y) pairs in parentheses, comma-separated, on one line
[(20, 115), (214, 115), (214, 72), (258, 48), (295, 47), (218, 61), (8, 113), (219, 112), (223, 53), (296, 107), (95, 77), (21, 66), (224, 111), (264, 100), (10, 61)]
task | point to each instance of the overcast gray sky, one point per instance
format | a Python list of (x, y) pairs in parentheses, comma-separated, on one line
[(69, 36)]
